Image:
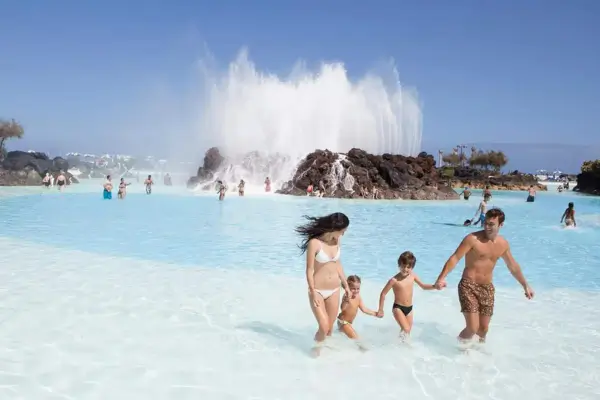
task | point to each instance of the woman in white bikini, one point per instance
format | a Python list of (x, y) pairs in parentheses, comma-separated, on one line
[(324, 272)]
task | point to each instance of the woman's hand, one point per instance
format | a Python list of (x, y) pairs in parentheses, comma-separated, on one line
[(312, 295)]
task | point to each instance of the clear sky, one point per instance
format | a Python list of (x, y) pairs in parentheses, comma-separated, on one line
[(78, 74)]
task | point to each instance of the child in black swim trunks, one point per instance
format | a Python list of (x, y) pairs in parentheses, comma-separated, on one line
[(402, 284)]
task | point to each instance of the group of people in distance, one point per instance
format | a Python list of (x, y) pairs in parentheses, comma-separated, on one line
[(325, 274), (122, 193)]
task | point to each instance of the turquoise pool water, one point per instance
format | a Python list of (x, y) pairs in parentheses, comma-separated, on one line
[(179, 296), (257, 232)]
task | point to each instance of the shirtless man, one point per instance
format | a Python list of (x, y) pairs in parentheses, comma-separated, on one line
[(531, 194), (61, 181), (476, 290), (149, 182), (481, 210)]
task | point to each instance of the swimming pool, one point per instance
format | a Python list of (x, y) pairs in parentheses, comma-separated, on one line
[(176, 295)]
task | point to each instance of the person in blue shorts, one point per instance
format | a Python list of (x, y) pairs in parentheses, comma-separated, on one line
[(482, 209), (108, 187)]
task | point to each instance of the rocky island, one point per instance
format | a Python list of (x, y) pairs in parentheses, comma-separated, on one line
[(460, 177), (356, 174), (20, 168), (588, 181)]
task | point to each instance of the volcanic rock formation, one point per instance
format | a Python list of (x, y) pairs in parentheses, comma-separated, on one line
[(461, 177), (358, 174), (588, 181), (21, 168)]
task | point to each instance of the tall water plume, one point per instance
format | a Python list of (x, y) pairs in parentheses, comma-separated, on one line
[(249, 110)]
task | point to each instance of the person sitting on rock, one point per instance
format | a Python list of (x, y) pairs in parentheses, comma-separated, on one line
[(375, 193), (322, 189), (309, 190)]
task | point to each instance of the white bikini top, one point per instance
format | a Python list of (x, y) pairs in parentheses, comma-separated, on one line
[(324, 258)]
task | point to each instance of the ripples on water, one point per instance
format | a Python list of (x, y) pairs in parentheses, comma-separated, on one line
[(177, 296)]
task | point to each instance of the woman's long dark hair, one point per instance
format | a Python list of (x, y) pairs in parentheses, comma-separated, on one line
[(317, 226)]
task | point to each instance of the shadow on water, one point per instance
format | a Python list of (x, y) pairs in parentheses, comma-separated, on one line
[(449, 224), (431, 335), (299, 341)]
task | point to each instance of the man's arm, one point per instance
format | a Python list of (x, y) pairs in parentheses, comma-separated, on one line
[(463, 248), (514, 267)]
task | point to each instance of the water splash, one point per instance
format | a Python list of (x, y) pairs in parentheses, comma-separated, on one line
[(339, 176), (246, 109)]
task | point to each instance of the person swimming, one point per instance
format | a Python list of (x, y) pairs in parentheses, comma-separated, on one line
[(267, 184), (324, 273), (241, 187), (569, 216)]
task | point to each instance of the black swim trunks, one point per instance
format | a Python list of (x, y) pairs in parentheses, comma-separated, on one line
[(405, 309)]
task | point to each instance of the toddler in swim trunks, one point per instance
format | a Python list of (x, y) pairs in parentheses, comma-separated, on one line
[(402, 284), (350, 307)]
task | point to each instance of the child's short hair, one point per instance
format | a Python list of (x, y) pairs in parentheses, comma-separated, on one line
[(353, 279), (407, 259)]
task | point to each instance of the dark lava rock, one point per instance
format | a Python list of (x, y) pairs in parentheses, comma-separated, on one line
[(359, 174), (21, 168)]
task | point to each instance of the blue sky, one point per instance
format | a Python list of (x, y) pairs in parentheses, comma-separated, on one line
[(79, 74)]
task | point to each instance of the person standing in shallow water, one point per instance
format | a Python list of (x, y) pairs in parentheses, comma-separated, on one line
[(324, 271), (476, 291), (149, 182), (531, 194), (108, 187), (569, 216)]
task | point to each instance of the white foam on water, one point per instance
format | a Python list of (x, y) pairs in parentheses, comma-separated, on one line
[(75, 325), (245, 109)]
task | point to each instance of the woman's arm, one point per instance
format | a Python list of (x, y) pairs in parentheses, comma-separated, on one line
[(340, 271), (310, 265)]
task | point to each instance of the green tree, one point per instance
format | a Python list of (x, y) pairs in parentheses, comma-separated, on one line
[(9, 130), (451, 159), (479, 159), (497, 159)]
